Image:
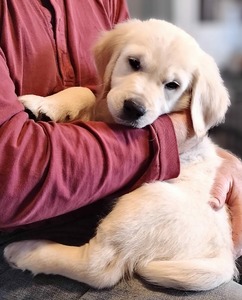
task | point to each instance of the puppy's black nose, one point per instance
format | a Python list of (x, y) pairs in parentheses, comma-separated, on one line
[(133, 110)]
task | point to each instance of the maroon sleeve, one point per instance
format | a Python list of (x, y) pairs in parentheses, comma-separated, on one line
[(49, 169)]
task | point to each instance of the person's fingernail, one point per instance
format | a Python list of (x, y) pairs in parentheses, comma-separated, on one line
[(214, 203)]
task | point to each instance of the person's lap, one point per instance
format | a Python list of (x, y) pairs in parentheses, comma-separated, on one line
[(15, 284)]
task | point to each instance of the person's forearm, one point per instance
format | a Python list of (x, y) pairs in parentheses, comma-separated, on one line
[(49, 169)]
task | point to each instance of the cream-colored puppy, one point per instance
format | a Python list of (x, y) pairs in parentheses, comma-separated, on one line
[(166, 232)]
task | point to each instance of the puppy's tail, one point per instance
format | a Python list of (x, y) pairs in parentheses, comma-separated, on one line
[(193, 275)]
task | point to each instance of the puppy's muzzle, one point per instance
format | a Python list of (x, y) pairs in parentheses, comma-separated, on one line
[(132, 110)]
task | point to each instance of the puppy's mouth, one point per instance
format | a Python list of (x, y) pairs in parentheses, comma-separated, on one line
[(121, 121), (131, 114)]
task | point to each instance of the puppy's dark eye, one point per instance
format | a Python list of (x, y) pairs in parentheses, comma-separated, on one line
[(134, 63), (173, 85)]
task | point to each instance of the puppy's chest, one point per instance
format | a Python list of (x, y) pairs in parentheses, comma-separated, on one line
[(198, 167), (200, 174)]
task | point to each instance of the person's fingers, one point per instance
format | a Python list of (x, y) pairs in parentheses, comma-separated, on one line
[(236, 222), (227, 189), (220, 191), (234, 203)]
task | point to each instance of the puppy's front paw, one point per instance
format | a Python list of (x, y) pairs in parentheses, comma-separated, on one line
[(34, 107), (25, 255), (70, 104)]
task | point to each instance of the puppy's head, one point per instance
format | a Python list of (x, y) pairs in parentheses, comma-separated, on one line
[(151, 68)]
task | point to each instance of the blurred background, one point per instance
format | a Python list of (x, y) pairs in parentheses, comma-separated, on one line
[(217, 26)]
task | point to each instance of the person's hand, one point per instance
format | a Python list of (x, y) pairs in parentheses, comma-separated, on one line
[(228, 189), (185, 135)]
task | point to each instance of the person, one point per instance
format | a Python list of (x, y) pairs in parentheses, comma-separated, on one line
[(48, 170)]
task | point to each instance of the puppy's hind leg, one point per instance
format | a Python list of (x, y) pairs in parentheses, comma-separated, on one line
[(195, 274), (91, 263)]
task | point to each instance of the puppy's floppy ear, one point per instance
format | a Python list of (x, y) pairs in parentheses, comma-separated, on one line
[(210, 99), (107, 49), (106, 52)]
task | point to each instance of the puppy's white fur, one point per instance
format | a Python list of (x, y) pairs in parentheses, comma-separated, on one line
[(164, 231)]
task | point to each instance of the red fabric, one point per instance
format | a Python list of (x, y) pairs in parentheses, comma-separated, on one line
[(49, 169)]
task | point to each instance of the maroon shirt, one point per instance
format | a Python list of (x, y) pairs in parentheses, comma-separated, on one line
[(49, 169)]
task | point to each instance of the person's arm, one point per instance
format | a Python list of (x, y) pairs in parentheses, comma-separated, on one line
[(49, 169)]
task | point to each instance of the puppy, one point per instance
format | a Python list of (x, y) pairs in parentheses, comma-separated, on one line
[(166, 232)]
